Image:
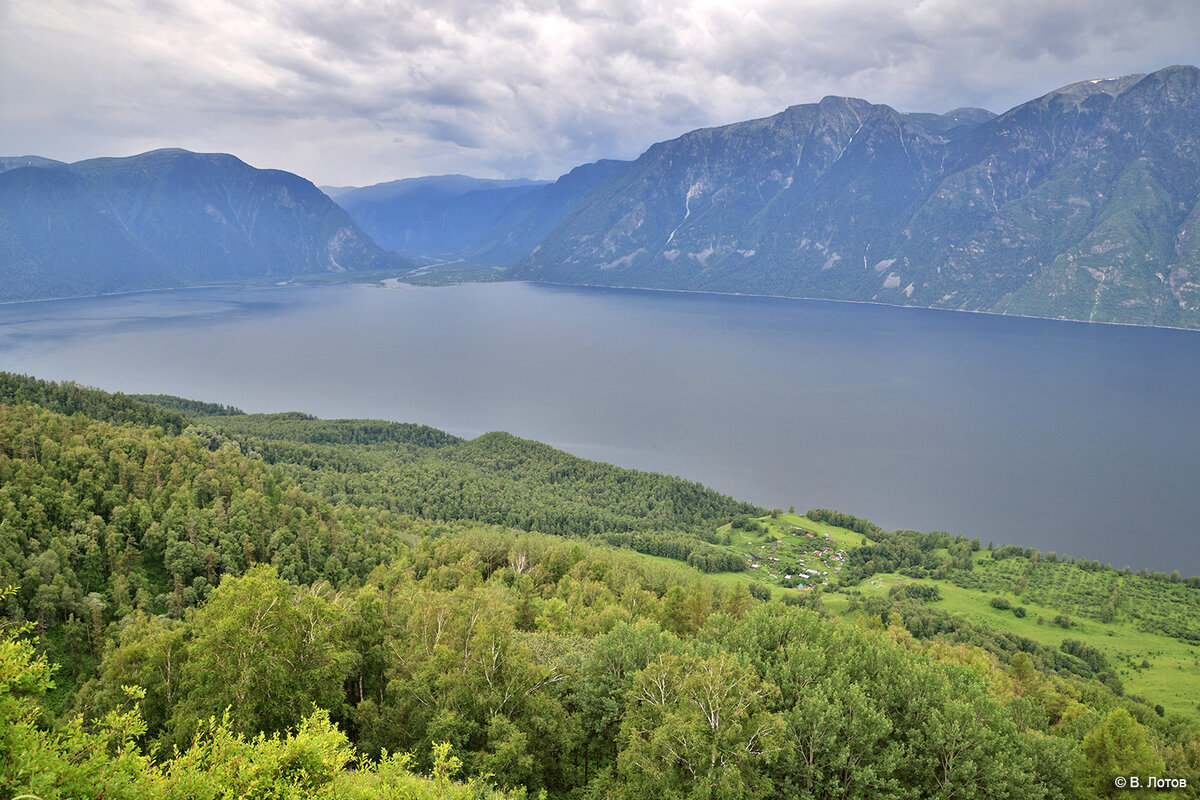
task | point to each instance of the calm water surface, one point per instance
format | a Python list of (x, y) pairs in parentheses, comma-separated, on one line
[(1083, 439)]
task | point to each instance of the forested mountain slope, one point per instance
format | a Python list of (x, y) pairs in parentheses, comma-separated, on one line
[(175, 578), (496, 478)]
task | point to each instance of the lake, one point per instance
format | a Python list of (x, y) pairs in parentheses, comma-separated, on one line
[(1077, 438)]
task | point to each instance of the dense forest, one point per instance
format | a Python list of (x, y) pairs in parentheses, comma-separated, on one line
[(201, 603), (496, 479)]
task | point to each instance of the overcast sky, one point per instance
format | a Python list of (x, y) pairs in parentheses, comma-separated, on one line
[(362, 91)]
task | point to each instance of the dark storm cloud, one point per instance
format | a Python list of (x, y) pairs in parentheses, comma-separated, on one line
[(376, 89)]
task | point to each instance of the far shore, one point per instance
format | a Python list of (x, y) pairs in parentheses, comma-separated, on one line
[(396, 280), (856, 302)]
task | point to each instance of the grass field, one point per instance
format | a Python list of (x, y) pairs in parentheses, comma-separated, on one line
[(1172, 679)]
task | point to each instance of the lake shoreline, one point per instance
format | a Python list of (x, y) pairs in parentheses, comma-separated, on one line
[(123, 293), (292, 282), (302, 280), (855, 302)]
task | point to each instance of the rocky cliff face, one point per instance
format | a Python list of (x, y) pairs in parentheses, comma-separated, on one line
[(1080, 204), (167, 218)]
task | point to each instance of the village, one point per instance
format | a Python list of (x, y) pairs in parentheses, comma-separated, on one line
[(800, 560)]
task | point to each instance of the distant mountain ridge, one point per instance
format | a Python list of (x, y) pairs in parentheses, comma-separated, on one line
[(458, 217), (436, 215), (524, 222), (166, 218), (16, 162), (1082, 204)]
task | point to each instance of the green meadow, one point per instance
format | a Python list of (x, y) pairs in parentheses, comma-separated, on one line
[(1163, 669), (1172, 677)]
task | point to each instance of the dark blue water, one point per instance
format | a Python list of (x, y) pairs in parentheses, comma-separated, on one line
[(1083, 439)]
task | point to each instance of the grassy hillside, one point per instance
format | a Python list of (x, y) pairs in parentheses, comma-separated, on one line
[(1146, 625), (1162, 669)]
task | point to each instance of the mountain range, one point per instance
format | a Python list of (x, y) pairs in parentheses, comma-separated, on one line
[(166, 218), (1081, 204)]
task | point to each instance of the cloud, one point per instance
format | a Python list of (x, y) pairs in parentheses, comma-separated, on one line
[(370, 90)]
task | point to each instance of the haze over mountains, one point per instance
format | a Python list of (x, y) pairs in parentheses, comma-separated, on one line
[(166, 218), (1082, 204), (429, 215), (456, 217)]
